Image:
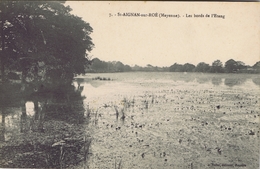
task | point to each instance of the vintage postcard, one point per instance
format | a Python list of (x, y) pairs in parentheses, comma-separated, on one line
[(124, 85)]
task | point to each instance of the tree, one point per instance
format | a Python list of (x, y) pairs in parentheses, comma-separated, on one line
[(202, 67), (111, 67), (241, 65), (187, 67), (176, 68), (43, 35), (217, 67), (119, 66), (234, 66), (127, 68), (256, 67), (231, 66), (99, 66), (137, 68)]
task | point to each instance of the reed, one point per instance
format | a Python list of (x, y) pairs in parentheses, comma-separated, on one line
[(88, 111), (96, 117), (119, 164), (146, 104), (87, 144), (117, 113), (123, 114)]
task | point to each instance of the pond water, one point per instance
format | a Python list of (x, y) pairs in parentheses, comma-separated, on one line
[(173, 120), (164, 120)]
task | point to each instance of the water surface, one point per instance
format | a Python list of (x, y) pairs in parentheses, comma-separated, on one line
[(158, 119)]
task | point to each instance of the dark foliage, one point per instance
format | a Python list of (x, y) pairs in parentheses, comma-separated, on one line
[(43, 40)]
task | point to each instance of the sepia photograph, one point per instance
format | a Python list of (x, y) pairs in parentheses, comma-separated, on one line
[(129, 84)]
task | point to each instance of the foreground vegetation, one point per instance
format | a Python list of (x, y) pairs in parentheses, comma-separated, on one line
[(61, 145), (55, 135)]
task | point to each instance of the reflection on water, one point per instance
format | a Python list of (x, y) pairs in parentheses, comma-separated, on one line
[(229, 80), (129, 84), (32, 109), (234, 81), (202, 80), (23, 117), (216, 81), (256, 81), (2, 127)]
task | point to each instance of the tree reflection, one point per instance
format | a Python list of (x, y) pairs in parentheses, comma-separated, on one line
[(256, 81), (23, 122), (233, 81), (216, 81), (202, 80), (96, 83), (188, 79), (2, 127), (59, 102), (9, 97), (63, 102), (185, 77)]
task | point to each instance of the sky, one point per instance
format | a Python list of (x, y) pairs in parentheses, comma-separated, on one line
[(165, 41)]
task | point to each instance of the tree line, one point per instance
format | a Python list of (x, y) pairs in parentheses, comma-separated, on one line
[(230, 66), (99, 66)]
